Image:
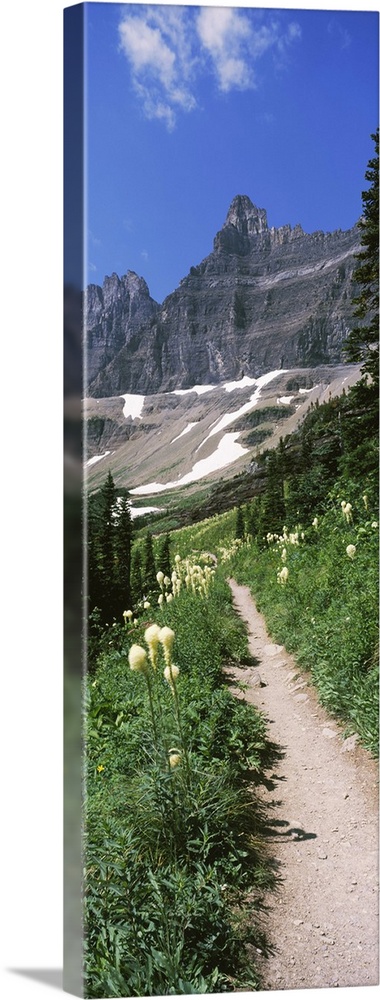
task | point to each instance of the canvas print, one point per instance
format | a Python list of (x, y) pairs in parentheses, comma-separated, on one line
[(221, 813)]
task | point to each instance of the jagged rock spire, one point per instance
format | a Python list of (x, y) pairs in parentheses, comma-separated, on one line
[(246, 217)]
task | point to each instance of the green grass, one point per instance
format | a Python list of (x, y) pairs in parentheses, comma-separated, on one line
[(327, 612), (171, 853)]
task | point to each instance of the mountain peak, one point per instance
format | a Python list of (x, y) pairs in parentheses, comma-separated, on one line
[(246, 217)]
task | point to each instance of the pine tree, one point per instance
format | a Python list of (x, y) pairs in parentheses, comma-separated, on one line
[(240, 526), (272, 506), (164, 561), (149, 580), (136, 583), (363, 342), (123, 555)]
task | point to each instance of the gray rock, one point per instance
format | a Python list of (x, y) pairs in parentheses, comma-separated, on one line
[(349, 743), (263, 299)]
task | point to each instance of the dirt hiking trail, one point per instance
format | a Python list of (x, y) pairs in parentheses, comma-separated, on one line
[(322, 921)]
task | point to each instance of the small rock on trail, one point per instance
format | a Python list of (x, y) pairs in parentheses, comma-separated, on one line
[(322, 923)]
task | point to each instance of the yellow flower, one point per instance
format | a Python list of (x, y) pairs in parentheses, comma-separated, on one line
[(138, 659), (100, 768)]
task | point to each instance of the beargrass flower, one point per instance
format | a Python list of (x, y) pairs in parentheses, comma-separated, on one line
[(146, 605), (161, 599), (171, 673), (160, 577), (365, 499), (138, 659), (174, 757), (166, 640), (347, 511), (152, 638), (282, 575), (351, 551)]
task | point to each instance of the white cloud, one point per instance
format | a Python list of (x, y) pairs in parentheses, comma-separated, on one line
[(225, 34), (169, 49), (156, 43)]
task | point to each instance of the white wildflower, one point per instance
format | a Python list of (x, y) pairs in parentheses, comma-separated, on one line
[(138, 659)]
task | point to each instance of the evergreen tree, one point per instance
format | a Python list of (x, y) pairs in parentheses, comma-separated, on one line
[(253, 516), (149, 580), (363, 341), (136, 583), (240, 526), (123, 555), (107, 530), (272, 506), (164, 561)]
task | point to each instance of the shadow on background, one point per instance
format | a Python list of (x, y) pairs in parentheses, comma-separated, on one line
[(51, 977)]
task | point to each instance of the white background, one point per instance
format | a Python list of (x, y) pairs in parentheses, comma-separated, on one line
[(31, 66)]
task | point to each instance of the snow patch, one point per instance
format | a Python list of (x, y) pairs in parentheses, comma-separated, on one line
[(133, 406), (285, 399), (307, 390), (139, 511), (186, 431), (242, 383), (228, 451), (228, 418), (96, 458), (199, 389)]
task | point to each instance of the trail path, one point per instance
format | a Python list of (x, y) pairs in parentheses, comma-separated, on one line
[(322, 922)]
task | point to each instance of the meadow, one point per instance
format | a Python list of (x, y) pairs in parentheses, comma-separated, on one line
[(177, 865), (173, 840)]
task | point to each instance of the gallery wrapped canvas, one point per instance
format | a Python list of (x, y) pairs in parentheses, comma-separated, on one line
[(221, 499)]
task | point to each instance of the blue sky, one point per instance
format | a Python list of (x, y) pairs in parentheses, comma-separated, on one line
[(190, 105)]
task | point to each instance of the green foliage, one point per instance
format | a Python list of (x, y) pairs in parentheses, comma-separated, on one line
[(240, 526), (108, 541), (363, 342), (148, 567), (326, 613), (170, 852), (164, 556), (136, 574)]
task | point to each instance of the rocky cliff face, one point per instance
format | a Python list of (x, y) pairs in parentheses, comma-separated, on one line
[(113, 314), (264, 299)]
